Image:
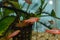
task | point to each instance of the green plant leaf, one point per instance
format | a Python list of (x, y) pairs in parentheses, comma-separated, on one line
[(42, 3), (44, 6), (0, 11), (7, 12), (53, 13), (5, 23), (16, 4)]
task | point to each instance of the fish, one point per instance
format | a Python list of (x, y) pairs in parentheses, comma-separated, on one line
[(28, 1), (31, 20), (53, 31), (13, 34)]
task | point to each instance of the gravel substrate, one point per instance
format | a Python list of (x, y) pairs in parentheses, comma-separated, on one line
[(42, 36)]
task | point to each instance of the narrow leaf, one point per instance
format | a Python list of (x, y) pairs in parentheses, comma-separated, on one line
[(7, 12), (53, 13), (16, 4), (42, 3), (5, 23), (44, 6)]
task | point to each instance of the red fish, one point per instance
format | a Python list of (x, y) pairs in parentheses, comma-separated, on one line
[(28, 1), (31, 20), (13, 34), (53, 31)]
